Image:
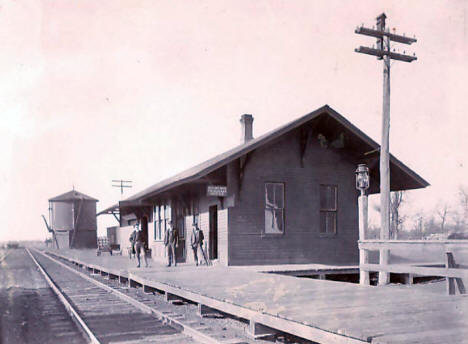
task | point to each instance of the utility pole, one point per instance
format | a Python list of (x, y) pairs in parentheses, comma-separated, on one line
[(383, 52), (122, 184)]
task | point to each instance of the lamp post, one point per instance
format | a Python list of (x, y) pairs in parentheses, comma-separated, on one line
[(362, 184)]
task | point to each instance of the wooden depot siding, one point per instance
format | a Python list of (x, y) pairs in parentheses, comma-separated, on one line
[(122, 235), (86, 213), (158, 252), (223, 236), (301, 241), (188, 233)]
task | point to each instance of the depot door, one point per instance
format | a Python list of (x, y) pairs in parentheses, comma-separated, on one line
[(213, 238), (144, 229), (180, 250)]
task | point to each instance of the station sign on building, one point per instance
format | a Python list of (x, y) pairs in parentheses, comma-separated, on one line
[(216, 190), (285, 197)]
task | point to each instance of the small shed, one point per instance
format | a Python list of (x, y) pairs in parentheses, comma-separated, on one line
[(72, 217)]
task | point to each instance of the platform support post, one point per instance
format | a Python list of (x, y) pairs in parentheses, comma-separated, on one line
[(204, 311), (450, 264), (363, 253), (409, 278), (257, 330), (168, 297)]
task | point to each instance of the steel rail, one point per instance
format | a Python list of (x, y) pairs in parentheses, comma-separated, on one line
[(70, 309), (5, 255), (188, 330)]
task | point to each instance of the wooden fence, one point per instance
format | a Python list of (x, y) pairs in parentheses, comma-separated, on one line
[(446, 267)]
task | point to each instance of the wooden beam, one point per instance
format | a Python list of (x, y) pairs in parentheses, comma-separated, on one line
[(409, 245), (205, 311), (258, 331), (244, 160), (168, 297), (116, 217), (303, 140), (364, 278), (450, 264), (425, 271), (302, 330), (382, 53), (380, 34)]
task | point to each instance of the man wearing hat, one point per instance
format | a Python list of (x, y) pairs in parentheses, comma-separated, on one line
[(140, 244), (171, 241), (196, 241)]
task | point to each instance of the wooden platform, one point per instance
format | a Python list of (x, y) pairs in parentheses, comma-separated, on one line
[(319, 310)]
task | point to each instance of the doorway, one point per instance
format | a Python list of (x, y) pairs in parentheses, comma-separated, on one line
[(213, 223), (180, 250), (144, 229)]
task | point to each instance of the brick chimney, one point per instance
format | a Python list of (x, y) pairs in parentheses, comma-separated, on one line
[(246, 128)]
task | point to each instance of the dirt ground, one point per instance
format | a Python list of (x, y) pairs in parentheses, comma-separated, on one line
[(26, 303)]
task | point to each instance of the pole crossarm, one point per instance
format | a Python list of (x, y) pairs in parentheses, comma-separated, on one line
[(380, 34), (381, 53), (122, 184)]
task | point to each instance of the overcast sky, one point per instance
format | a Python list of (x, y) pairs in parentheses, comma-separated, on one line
[(92, 91)]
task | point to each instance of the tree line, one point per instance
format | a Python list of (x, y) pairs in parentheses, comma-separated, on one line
[(445, 221)]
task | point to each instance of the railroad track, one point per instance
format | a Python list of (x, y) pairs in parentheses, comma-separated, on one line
[(108, 311), (30, 311), (4, 255)]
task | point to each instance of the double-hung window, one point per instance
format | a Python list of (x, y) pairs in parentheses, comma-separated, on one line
[(155, 221), (274, 208), (328, 209), (167, 216), (158, 225)]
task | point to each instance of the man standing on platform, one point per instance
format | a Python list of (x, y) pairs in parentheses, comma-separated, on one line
[(196, 240), (140, 244), (171, 241)]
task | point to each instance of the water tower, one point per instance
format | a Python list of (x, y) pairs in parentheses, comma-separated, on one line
[(72, 217)]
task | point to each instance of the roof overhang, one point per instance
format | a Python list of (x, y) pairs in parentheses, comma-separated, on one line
[(410, 180), (114, 209)]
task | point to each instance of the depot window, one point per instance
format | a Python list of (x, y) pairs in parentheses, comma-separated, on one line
[(328, 209), (274, 208), (167, 216), (158, 225)]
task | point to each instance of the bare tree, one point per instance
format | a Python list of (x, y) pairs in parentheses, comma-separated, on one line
[(396, 219), (458, 220), (443, 212), (463, 194), (419, 224)]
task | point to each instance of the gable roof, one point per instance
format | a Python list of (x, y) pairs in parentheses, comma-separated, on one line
[(220, 160), (72, 196), (413, 180)]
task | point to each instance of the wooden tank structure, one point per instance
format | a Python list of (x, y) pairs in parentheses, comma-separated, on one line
[(72, 218)]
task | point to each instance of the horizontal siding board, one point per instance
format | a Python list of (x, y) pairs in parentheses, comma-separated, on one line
[(302, 241)]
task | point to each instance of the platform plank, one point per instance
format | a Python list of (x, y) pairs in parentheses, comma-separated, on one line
[(448, 335), (327, 311)]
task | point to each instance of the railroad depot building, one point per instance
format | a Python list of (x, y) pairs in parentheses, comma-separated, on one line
[(285, 197)]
